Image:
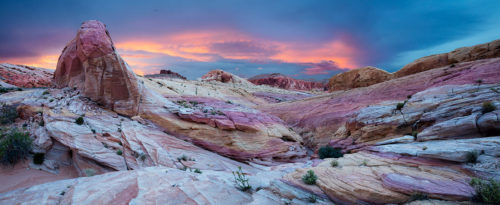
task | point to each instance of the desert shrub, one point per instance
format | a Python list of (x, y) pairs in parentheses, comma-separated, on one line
[(198, 171), (488, 107), (418, 197), (45, 92), (329, 152), (79, 121), (487, 191), (41, 123), (241, 180), (38, 158), (312, 199), (8, 113), (334, 163), (90, 172), (472, 156), (310, 177), (119, 152), (14, 146), (400, 105)]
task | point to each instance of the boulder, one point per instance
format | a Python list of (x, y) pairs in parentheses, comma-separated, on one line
[(361, 77), (91, 64)]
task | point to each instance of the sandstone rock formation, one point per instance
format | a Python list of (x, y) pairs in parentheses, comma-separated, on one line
[(464, 54), (166, 74), (25, 76), (360, 77), (322, 116), (285, 82), (90, 63), (372, 178), (223, 77)]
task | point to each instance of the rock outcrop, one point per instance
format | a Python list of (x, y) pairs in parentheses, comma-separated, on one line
[(464, 54), (324, 115), (166, 74), (25, 76), (360, 77), (223, 77), (91, 64), (285, 82), (372, 178)]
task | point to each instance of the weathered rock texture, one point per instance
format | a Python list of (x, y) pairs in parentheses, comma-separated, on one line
[(166, 74), (223, 77), (90, 63), (25, 76), (285, 82), (322, 116), (361, 77), (384, 179), (464, 54)]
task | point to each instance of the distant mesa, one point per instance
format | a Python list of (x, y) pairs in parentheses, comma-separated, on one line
[(91, 64), (285, 82), (166, 74), (361, 77)]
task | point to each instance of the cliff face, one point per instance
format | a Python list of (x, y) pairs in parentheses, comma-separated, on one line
[(25, 76), (285, 82)]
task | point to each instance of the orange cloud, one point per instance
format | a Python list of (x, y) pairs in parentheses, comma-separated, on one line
[(46, 61), (205, 46)]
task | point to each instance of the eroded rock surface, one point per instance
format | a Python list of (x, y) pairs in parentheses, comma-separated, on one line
[(464, 54), (25, 76), (91, 64), (360, 77), (285, 82)]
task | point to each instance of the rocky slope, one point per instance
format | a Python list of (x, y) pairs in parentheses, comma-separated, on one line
[(360, 77), (464, 54), (25, 76), (285, 82), (320, 117), (166, 74)]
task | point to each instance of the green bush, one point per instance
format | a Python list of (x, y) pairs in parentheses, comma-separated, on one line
[(400, 105), (8, 114), (329, 152), (45, 92), (472, 156), (79, 121), (334, 163), (198, 171), (14, 146), (38, 158), (241, 180), (488, 107), (487, 191), (310, 177), (119, 152)]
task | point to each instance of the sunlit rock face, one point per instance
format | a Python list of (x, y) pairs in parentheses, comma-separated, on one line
[(285, 82), (464, 54), (90, 63), (361, 77)]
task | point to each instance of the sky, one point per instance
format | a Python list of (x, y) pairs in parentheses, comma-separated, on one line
[(305, 39)]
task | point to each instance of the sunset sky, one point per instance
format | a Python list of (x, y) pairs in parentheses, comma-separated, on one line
[(307, 39)]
